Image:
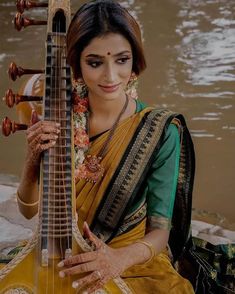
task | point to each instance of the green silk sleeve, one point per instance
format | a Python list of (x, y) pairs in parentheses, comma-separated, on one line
[(162, 181)]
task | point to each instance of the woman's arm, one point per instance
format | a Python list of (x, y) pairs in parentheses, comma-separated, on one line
[(161, 189), (27, 194), (40, 136), (154, 242)]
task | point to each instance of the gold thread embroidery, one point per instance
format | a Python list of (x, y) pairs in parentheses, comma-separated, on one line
[(158, 222), (134, 160)]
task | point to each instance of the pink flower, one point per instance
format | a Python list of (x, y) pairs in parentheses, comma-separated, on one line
[(81, 138)]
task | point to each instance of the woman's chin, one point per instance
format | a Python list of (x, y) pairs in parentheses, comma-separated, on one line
[(110, 95)]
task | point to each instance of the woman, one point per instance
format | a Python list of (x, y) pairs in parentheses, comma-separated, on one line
[(126, 185)]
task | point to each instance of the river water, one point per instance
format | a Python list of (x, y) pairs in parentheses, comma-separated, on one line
[(190, 51)]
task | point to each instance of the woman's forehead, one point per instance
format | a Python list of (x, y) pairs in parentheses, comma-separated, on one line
[(109, 44)]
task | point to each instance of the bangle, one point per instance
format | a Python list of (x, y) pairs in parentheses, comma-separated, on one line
[(150, 247), (24, 203)]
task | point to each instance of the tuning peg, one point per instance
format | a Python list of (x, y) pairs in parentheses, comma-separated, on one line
[(21, 5), (11, 98), (9, 126), (15, 71), (21, 21)]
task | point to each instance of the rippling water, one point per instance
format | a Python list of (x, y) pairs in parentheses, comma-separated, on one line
[(190, 49)]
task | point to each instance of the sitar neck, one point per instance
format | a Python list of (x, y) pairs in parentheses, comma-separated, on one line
[(56, 168)]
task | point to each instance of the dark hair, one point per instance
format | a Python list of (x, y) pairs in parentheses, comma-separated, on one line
[(97, 18)]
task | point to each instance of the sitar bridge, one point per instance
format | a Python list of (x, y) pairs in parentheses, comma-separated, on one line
[(45, 258)]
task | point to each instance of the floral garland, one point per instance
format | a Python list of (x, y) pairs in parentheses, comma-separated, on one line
[(80, 125), (86, 166)]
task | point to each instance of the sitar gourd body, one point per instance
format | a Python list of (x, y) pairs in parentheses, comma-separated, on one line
[(34, 269)]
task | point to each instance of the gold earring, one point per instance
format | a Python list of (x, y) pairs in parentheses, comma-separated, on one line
[(131, 89)]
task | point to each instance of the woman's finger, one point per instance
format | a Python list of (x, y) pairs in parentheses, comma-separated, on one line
[(80, 258), (42, 147), (87, 280), (78, 269), (45, 138), (44, 127), (97, 285), (92, 237), (34, 117)]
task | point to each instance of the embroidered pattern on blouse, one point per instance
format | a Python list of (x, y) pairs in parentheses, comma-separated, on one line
[(159, 222), (133, 219)]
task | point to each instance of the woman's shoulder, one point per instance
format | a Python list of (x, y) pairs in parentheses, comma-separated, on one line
[(173, 126), (140, 105)]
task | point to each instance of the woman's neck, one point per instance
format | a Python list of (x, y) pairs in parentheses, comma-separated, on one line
[(105, 110), (103, 113)]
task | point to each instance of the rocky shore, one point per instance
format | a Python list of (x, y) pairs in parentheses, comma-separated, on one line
[(14, 228)]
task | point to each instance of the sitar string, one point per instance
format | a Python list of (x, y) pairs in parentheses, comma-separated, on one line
[(50, 41), (56, 148), (60, 158)]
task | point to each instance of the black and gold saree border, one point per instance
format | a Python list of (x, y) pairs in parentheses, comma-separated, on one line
[(132, 171)]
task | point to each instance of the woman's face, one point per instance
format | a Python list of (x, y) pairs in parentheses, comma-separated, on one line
[(106, 66)]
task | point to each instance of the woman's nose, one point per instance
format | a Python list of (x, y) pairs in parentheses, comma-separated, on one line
[(110, 74)]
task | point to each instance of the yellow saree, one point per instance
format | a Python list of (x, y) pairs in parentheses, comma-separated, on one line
[(156, 275)]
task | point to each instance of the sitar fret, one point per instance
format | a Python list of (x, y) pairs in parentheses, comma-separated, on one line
[(57, 235), (49, 219), (51, 202)]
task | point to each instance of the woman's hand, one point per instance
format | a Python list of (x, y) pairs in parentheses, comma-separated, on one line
[(101, 265), (41, 135)]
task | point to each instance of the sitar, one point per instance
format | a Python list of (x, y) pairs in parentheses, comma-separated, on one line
[(34, 269)]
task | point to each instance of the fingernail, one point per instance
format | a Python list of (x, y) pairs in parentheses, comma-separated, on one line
[(84, 292), (53, 142), (60, 264), (58, 124), (61, 274), (75, 284)]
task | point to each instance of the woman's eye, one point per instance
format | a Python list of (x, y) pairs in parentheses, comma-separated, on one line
[(123, 60), (94, 64)]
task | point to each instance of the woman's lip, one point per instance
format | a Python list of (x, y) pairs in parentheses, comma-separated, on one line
[(109, 88)]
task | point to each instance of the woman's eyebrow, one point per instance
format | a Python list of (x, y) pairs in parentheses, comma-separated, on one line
[(101, 56)]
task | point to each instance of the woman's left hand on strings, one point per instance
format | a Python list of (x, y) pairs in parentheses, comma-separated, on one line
[(101, 265)]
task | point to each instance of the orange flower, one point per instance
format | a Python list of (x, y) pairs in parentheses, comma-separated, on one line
[(79, 108), (81, 138), (79, 104)]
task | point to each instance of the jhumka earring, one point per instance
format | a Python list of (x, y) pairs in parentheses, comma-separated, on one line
[(131, 88)]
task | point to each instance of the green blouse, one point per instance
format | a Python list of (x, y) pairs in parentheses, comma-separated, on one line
[(158, 196)]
